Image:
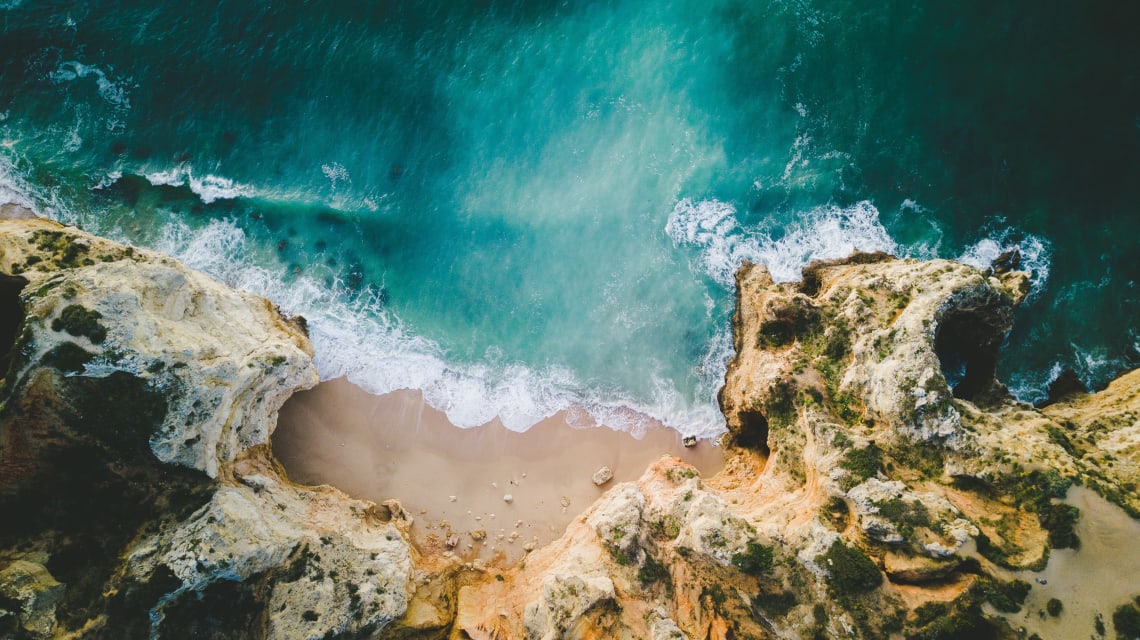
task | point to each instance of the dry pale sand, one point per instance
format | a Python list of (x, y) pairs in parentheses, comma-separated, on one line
[(455, 481), (1103, 574)]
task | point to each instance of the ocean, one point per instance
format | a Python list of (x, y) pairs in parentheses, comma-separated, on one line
[(524, 207)]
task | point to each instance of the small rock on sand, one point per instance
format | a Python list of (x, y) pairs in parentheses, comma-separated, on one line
[(508, 498), (689, 441), (478, 534), (565, 502), (603, 475)]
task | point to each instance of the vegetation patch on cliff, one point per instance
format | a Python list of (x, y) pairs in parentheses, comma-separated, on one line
[(849, 570), (80, 321)]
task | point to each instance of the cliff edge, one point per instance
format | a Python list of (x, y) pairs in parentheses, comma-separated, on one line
[(140, 495), (880, 481)]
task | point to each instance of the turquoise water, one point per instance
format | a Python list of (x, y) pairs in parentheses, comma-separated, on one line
[(523, 207)]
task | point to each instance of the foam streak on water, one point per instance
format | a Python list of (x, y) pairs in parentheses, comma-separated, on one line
[(209, 188)]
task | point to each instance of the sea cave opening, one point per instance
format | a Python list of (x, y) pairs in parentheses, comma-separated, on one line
[(967, 346), (753, 432), (11, 317)]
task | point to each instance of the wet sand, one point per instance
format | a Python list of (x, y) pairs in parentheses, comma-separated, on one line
[(455, 481)]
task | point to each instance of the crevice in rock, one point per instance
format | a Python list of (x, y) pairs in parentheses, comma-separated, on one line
[(967, 346), (753, 432), (11, 316)]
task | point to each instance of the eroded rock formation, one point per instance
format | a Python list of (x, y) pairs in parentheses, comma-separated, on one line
[(139, 493), (879, 480)]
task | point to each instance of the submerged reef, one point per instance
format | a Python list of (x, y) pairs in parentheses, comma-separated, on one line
[(879, 480)]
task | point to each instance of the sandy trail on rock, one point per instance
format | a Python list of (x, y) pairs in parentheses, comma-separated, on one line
[(395, 446)]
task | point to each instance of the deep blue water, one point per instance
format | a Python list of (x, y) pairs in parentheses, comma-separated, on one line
[(519, 207)]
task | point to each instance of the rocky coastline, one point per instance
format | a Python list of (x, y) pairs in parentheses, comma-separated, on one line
[(879, 481)]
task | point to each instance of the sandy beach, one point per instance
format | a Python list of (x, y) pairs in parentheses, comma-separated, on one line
[(518, 489)]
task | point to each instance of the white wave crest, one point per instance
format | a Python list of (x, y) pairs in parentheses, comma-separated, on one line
[(1093, 365), (209, 188), (354, 336), (824, 232), (13, 188), (1035, 255), (114, 92)]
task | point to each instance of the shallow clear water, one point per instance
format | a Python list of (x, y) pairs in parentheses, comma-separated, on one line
[(519, 207)]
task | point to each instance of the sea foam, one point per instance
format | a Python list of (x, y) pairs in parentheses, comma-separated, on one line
[(115, 92), (1035, 255), (355, 336), (13, 189), (711, 227), (209, 188)]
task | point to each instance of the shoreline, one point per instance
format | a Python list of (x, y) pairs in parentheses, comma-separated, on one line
[(454, 481)]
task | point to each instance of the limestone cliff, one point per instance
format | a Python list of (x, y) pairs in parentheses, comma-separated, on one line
[(880, 482), (139, 494)]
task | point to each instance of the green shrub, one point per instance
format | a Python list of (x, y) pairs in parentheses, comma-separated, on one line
[(756, 560), (776, 604), (1004, 596), (79, 321), (862, 464), (1126, 619), (961, 619), (653, 571), (906, 515), (67, 357), (850, 569), (1061, 522), (1054, 607)]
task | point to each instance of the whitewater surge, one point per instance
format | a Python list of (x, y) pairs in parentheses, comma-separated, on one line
[(723, 244), (209, 188), (1035, 255), (355, 336)]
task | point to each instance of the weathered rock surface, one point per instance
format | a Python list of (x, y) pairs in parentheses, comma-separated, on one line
[(874, 465), (602, 476), (35, 594), (222, 361), (135, 470)]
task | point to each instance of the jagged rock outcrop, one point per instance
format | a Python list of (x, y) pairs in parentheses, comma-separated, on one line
[(1102, 433), (650, 559), (35, 594), (879, 480), (135, 470), (874, 465), (223, 361)]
